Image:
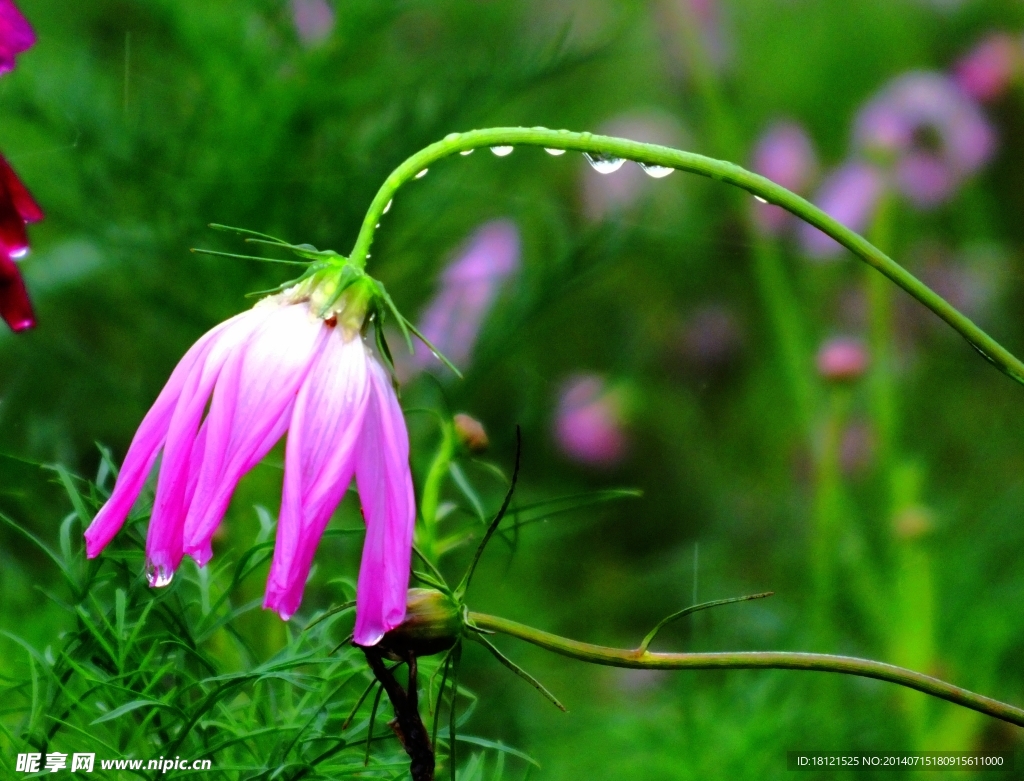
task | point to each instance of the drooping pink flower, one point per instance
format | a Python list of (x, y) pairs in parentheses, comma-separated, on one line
[(277, 367), (929, 130), (842, 358), (17, 207), (469, 286), (850, 194), (314, 20), (784, 154), (589, 421), (16, 34), (986, 71)]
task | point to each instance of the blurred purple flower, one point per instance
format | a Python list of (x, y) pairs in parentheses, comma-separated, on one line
[(932, 133), (711, 337), (314, 20), (784, 154), (986, 71), (469, 286), (589, 421), (16, 34), (850, 194), (608, 194), (699, 21), (842, 358)]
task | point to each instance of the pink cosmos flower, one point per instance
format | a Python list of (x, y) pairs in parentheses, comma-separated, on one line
[(277, 367), (784, 154), (17, 207), (469, 286), (850, 194), (842, 358), (589, 421), (986, 71), (16, 34)]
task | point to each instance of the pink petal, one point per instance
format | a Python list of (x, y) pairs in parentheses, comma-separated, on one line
[(164, 542), (319, 462), (385, 492), (249, 413), (148, 440), (16, 34)]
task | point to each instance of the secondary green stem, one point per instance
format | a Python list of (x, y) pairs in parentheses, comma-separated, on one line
[(653, 154), (750, 660)]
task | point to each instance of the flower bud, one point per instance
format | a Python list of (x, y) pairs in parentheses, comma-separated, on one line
[(842, 359), (470, 432), (433, 623)]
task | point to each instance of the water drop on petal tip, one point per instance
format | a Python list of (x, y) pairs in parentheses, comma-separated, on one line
[(388, 207), (501, 151), (158, 576), (18, 254), (422, 173), (285, 615), (760, 199), (465, 152), (657, 171), (604, 165), (555, 152)]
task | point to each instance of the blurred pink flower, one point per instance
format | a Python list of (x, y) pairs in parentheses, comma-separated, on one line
[(469, 286), (683, 23), (314, 20), (607, 194), (850, 194), (932, 133), (589, 421), (711, 338), (16, 34), (842, 358), (17, 208), (274, 368), (986, 71), (784, 154)]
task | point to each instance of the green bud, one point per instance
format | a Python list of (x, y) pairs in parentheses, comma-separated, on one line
[(433, 623)]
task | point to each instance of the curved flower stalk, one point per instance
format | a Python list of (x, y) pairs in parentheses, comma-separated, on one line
[(296, 362), (660, 158), (17, 208), (16, 34)]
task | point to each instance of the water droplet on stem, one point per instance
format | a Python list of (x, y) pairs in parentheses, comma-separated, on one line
[(656, 171), (502, 151), (388, 207), (422, 173), (604, 164), (759, 198), (465, 152), (555, 152)]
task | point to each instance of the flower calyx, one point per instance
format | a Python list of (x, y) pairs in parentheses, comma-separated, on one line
[(433, 623)]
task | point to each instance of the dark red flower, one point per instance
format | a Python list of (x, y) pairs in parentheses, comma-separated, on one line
[(17, 207), (16, 34)]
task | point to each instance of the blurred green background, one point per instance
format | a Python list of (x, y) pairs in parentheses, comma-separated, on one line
[(894, 535)]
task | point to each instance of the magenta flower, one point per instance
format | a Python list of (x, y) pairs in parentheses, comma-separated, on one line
[(16, 34), (314, 20), (784, 154), (842, 358), (277, 367), (17, 207), (930, 131), (589, 421), (850, 195), (469, 286), (986, 71)]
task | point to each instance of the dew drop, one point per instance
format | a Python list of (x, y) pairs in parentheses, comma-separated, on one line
[(657, 171), (422, 173), (158, 576), (760, 199), (18, 254), (386, 208), (285, 615), (502, 151), (453, 137), (603, 164), (465, 152), (555, 152), (377, 225)]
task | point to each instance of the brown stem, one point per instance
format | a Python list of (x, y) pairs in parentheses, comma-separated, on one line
[(407, 725)]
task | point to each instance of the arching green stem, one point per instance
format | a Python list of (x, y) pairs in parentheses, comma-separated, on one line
[(749, 660), (653, 154)]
